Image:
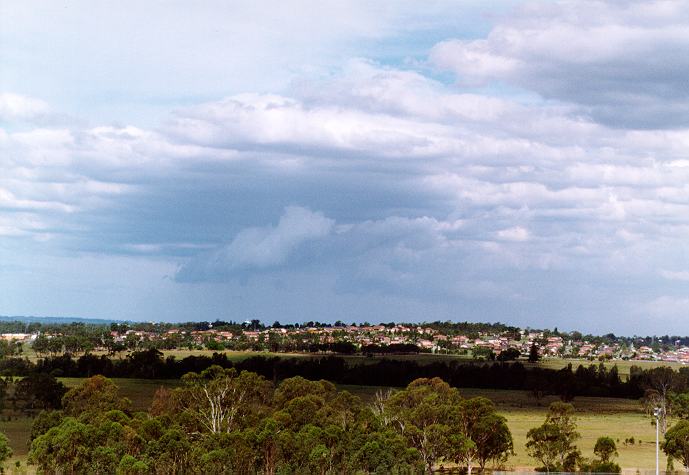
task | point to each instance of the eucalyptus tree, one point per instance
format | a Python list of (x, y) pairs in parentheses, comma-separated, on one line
[(424, 413), (487, 436), (676, 443), (5, 451), (552, 443), (221, 400)]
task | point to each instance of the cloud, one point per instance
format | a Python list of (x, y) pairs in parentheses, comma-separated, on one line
[(366, 159), (413, 193), (516, 233), (276, 123), (675, 275), (624, 65), (17, 107), (132, 61), (667, 307), (260, 248)]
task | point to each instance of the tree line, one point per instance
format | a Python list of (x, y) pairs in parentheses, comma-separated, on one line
[(592, 380)]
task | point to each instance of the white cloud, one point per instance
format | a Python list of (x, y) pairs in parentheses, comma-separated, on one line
[(675, 275), (251, 121), (17, 107), (517, 234), (261, 248), (266, 247)]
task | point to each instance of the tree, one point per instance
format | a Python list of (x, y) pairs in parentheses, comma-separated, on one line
[(533, 353), (129, 465), (40, 344), (493, 439), (487, 436), (552, 443), (44, 421), (297, 386), (481, 353), (379, 407), (385, 452), (605, 448), (173, 452), (676, 444), (660, 383), (510, 354), (39, 391), (64, 448), (219, 400), (5, 451), (680, 405), (422, 413), (96, 394)]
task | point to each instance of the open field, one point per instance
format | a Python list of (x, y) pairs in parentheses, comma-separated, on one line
[(17, 431), (623, 366), (232, 355), (617, 418)]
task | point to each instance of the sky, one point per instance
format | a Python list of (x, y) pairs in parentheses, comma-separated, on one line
[(517, 161)]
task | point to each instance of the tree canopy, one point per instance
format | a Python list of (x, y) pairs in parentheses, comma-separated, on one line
[(222, 421)]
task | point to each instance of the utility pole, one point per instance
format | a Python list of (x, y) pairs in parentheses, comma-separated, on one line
[(657, 412)]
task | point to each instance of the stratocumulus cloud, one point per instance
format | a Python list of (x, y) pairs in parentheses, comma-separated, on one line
[(535, 172), (623, 63)]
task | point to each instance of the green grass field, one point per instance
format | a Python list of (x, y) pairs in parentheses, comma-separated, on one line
[(617, 418), (623, 366)]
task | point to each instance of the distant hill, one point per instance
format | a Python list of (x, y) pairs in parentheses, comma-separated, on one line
[(57, 320)]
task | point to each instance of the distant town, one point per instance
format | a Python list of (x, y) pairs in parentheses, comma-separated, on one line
[(473, 340)]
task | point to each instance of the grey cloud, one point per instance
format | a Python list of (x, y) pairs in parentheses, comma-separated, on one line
[(394, 253), (494, 194), (624, 64)]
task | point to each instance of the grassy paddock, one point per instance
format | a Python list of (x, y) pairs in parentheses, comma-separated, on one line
[(623, 366), (17, 431)]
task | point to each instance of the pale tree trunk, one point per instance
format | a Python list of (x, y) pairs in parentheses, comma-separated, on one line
[(217, 406)]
